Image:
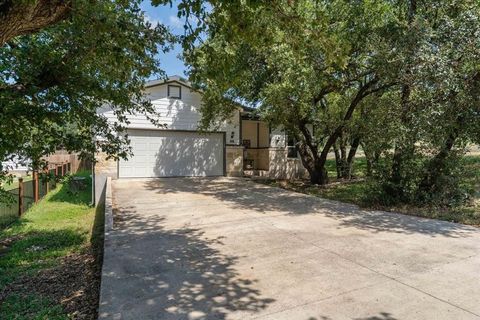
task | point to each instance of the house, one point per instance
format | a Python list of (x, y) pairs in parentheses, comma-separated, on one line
[(243, 145)]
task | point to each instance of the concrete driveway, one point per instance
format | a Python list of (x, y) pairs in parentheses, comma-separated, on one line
[(226, 248)]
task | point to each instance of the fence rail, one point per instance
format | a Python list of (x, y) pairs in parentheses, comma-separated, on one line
[(30, 192)]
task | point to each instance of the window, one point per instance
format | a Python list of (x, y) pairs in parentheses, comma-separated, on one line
[(292, 151), (174, 92)]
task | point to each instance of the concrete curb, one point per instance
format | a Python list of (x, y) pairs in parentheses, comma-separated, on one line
[(108, 228), (108, 207)]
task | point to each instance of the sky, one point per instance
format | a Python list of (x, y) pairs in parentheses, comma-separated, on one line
[(168, 16)]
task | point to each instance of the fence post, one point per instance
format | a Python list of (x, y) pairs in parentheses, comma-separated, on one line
[(20, 196), (35, 186), (47, 180)]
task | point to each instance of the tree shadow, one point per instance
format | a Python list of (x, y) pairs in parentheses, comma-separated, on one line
[(155, 273), (380, 316), (36, 250), (240, 193)]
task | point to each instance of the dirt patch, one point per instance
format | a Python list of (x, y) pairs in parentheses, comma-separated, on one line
[(74, 284)]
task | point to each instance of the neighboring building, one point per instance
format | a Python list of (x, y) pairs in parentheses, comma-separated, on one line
[(17, 165), (244, 145)]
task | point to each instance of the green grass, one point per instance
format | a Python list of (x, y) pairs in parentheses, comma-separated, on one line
[(355, 192), (359, 167), (31, 307), (59, 225)]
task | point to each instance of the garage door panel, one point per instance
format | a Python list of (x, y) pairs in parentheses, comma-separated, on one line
[(173, 154)]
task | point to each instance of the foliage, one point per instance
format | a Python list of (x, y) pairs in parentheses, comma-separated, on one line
[(360, 192), (300, 63), (401, 79), (53, 82), (438, 116)]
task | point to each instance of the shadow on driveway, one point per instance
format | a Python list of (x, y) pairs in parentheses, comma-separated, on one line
[(239, 193), (172, 274)]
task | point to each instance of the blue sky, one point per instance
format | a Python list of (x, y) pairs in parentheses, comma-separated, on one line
[(168, 16)]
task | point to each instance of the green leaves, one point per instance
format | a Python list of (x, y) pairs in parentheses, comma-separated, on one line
[(53, 82)]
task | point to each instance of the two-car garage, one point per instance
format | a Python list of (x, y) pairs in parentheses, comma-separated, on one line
[(172, 153)]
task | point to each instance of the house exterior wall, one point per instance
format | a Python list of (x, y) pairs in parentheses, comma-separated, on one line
[(278, 138), (282, 167), (185, 114), (272, 159), (177, 114), (105, 167), (234, 161), (249, 132), (260, 158), (257, 132)]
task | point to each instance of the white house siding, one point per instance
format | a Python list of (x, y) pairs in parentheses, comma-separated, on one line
[(178, 114), (278, 138)]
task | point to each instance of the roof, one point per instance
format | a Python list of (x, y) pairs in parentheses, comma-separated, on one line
[(170, 79)]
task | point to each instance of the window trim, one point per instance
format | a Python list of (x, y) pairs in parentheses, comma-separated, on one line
[(290, 147), (179, 91)]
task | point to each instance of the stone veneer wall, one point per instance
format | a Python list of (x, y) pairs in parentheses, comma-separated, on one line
[(108, 168), (281, 167), (234, 159)]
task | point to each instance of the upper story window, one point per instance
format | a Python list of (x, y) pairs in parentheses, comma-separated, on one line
[(174, 92), (292, 151)]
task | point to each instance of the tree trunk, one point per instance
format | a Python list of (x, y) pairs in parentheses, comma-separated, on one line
[(338, 160), (314, 161), (314, 165), (436, 167), (343, 155), (347, 174), (25, 17)]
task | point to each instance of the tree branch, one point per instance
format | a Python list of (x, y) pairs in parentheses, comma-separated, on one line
[(26, 17)]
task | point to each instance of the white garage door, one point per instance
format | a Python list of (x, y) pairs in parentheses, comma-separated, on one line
[(173, 154)]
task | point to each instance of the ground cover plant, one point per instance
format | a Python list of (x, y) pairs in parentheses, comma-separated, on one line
[(50, 258)]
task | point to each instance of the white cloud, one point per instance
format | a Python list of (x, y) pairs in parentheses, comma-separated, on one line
[(152, 21), (175, 22)]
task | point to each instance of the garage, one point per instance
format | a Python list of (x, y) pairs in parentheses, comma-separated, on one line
[(170, 153)]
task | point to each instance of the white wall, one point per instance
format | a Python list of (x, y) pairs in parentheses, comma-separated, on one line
[(177, 114), (278, 138)]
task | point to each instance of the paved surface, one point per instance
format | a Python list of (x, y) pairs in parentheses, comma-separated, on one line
[(232, 249)]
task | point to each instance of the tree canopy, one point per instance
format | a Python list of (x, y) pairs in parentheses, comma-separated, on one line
[(398, 78), (53, 81)]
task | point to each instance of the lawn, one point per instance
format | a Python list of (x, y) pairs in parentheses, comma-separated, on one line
[(355, 192), (49, 258)]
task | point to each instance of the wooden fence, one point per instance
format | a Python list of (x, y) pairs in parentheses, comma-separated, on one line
[(30, 192)]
